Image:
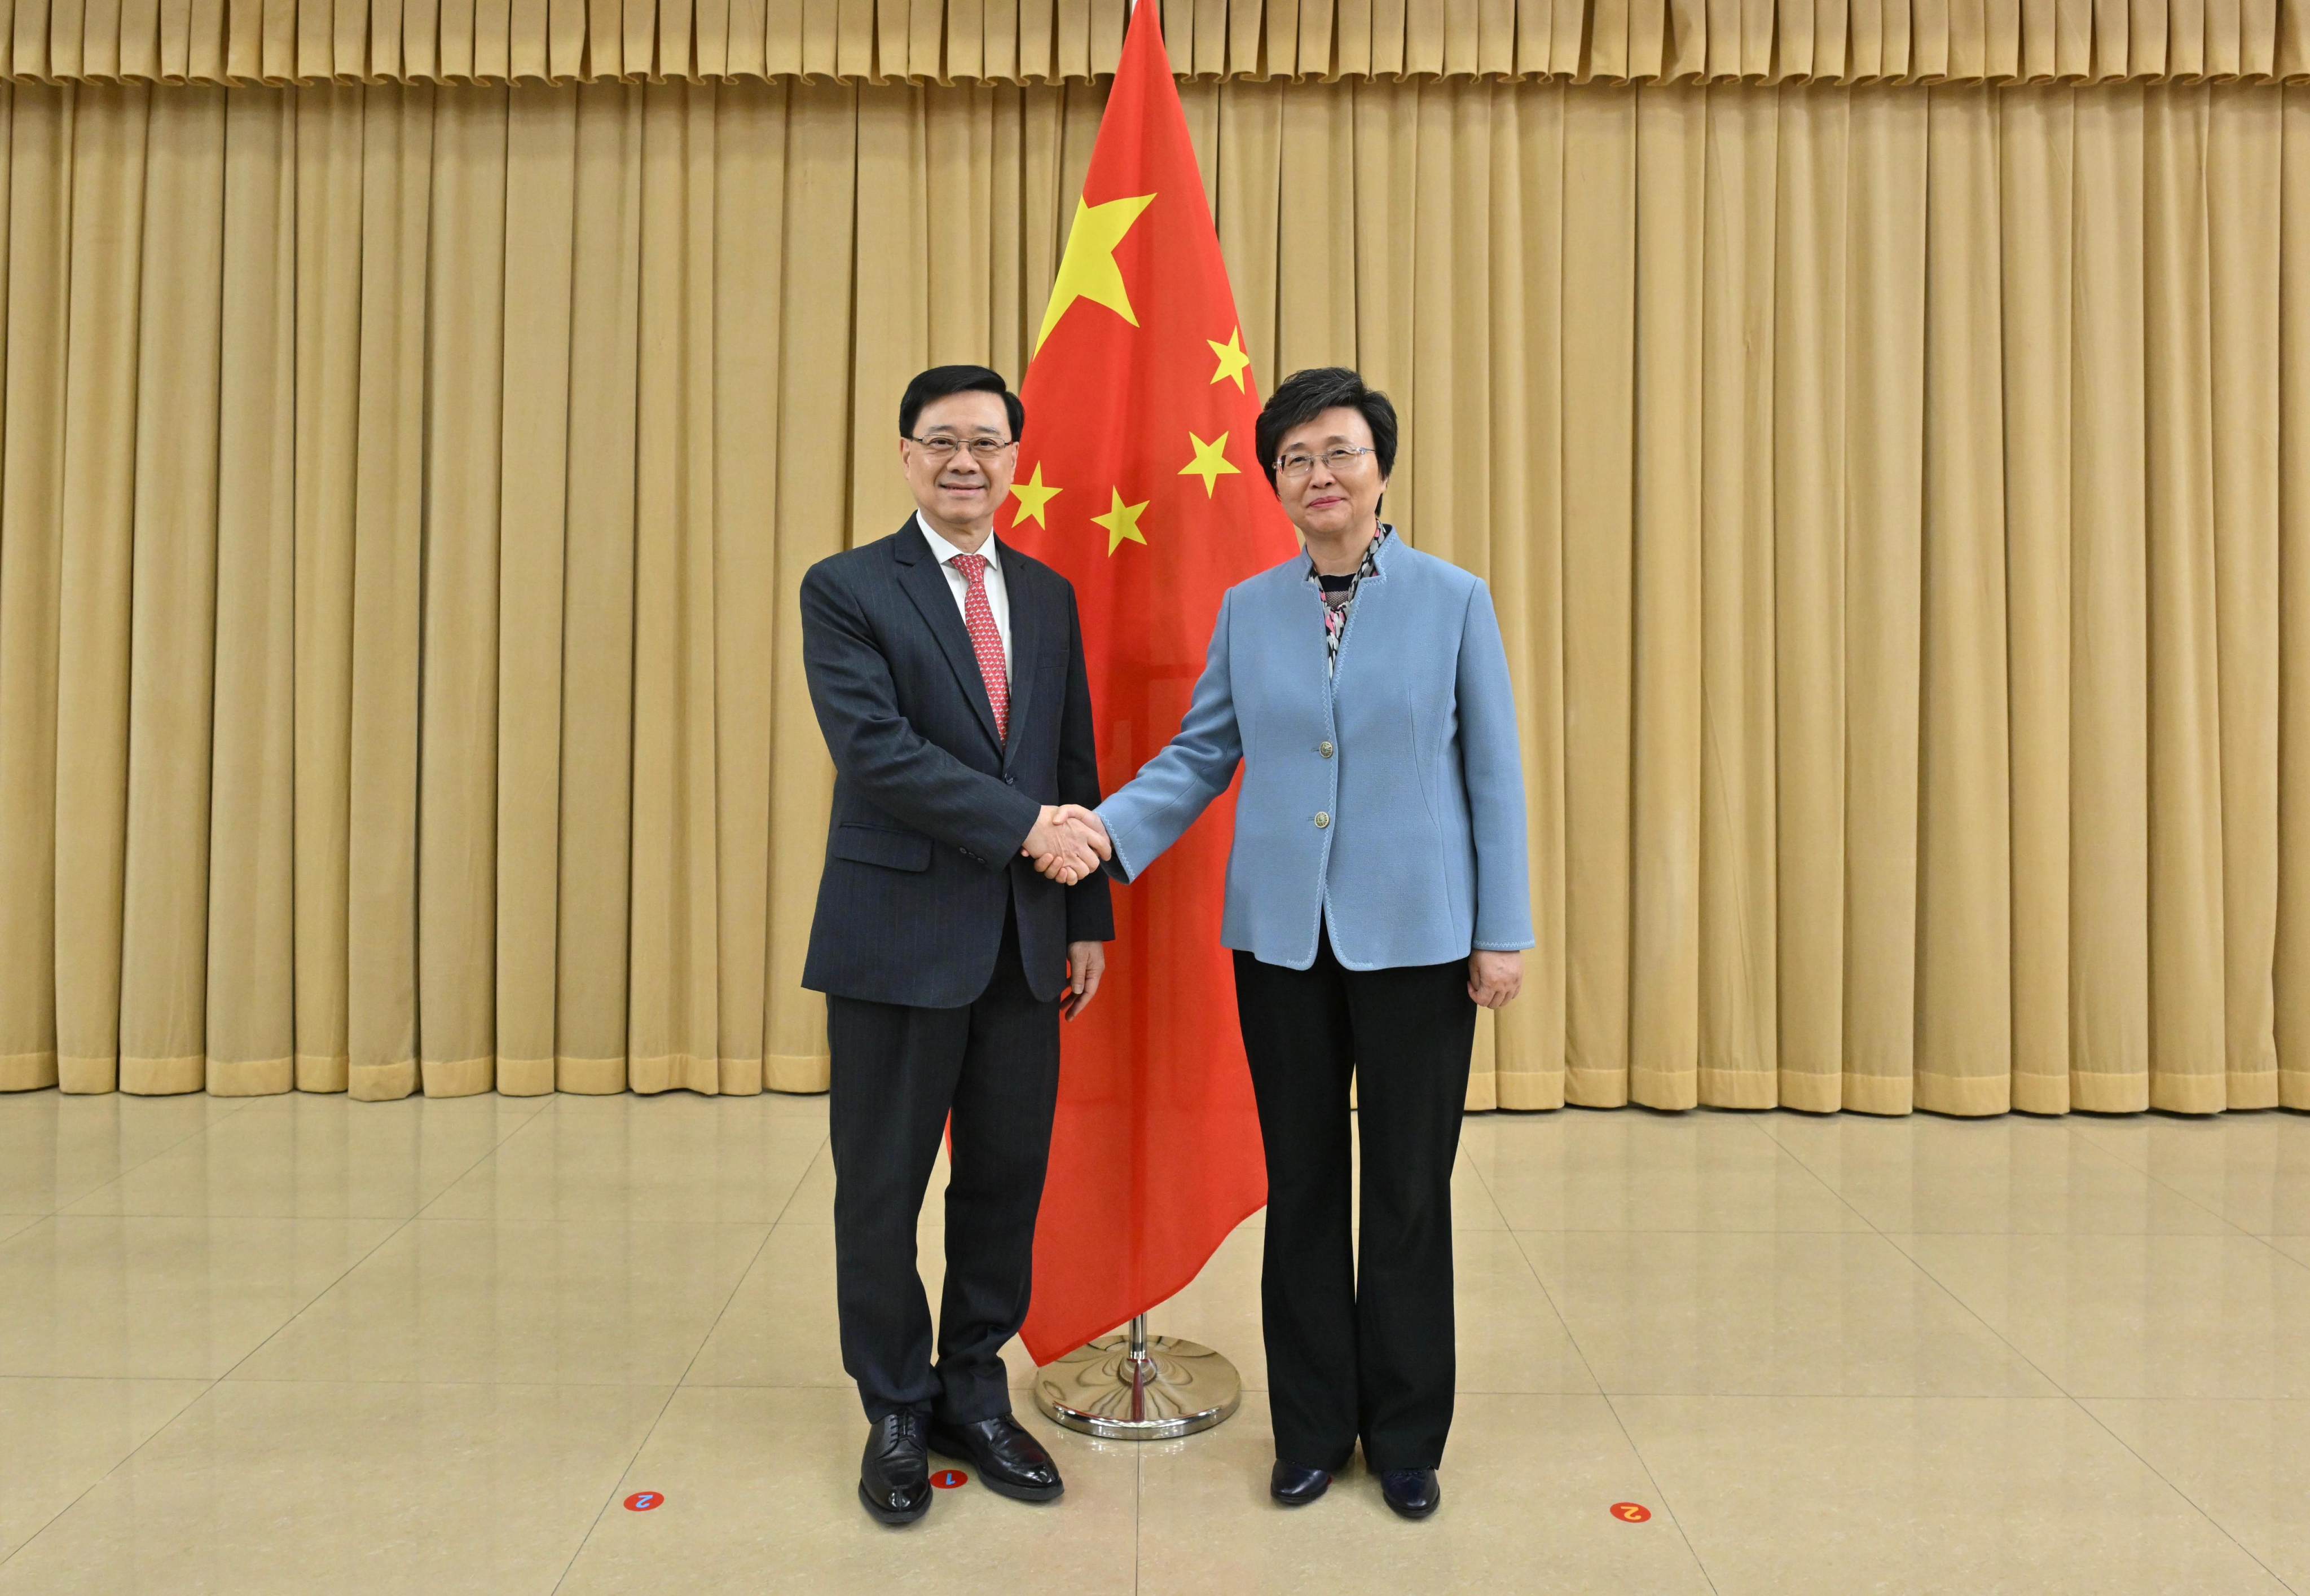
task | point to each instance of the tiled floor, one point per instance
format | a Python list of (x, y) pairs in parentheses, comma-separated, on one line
[(302, 1344)]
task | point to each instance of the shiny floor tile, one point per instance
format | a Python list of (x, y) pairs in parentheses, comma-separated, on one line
[(484, 1300), (1473, 1206), (733, 1160), (55, 1149), (278, 1380), (1679, 1311), (1509, 1337), (307, 1155), (430, 1490), (160, 1297), (1897, 1494), (2244, 1463), (760, 1494), (1529, 1483), (1628, 1169), (806, 1109), (2136, 1316), (2254, 1168), (61, 1436), (2012, 1174), (781, 1328)]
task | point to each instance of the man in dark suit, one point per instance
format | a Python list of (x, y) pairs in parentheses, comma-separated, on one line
[(948, 674)]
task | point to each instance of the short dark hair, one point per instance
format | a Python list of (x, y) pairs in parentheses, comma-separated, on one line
[(1306, 395), (941, 382)]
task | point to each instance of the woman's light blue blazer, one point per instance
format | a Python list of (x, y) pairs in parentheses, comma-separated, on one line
[(1384, 801)]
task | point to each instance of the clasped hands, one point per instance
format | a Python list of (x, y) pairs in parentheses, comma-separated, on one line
[(1068, 843)]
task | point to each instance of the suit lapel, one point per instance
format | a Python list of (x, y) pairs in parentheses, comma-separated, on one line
[(925, 583), (1026, 592)]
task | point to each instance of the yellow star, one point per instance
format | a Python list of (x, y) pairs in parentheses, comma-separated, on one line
[(1233, 361), (1088, 270), (1210, 463), (1122, 522), (1032, 497)]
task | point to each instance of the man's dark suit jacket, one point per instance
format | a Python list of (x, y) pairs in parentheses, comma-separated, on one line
[(922, 851)]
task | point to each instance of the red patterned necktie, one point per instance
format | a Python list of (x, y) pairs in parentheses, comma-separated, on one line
[(986, 640)]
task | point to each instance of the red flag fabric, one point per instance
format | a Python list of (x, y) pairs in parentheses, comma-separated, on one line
[(1137, 479)]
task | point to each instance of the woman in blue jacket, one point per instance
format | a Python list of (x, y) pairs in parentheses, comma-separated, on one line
[(1376, 896)]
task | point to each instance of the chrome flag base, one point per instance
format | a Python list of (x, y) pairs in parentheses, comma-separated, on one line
[(1135, 1387)]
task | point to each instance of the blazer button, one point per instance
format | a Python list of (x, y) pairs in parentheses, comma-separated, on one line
[(1322, 820), (1009, 781), (1325, 749)]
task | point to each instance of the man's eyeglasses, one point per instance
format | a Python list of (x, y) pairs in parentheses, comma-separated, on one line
[(942, 447), (1335, 460)]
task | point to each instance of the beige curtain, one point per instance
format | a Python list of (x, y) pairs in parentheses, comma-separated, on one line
[(1898, 499), (1051, 41)]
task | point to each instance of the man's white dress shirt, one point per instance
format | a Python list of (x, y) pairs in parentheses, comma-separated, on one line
[(998, 597)]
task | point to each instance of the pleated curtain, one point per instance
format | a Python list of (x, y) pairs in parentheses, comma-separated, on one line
[(1896, 495), (1056, 41)]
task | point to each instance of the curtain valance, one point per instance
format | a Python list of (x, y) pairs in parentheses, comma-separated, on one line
[(950, 41)]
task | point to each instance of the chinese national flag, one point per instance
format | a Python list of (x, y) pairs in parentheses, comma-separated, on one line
[(1137, 481)]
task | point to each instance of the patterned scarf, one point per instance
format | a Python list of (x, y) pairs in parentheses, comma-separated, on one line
[(1338, 602)]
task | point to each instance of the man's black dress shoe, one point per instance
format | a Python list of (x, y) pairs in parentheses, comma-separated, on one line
[(1296, 1487), (1010, 1462), (894, 1476), (1411, 1492)]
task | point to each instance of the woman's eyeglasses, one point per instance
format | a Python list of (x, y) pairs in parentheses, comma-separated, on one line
[(1335, 460)]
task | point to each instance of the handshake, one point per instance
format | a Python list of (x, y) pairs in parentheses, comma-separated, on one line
[(1068, 843)]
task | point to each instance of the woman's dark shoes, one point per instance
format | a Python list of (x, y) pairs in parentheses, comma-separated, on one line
[(1296, 1487), (1009, 1462), (894, 1476), (1411, 1492)]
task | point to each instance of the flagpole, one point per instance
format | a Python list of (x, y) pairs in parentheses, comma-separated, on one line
[(1138, 1387), (1134, 1385)]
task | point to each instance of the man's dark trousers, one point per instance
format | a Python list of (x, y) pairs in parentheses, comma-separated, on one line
[(996, 1062)]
